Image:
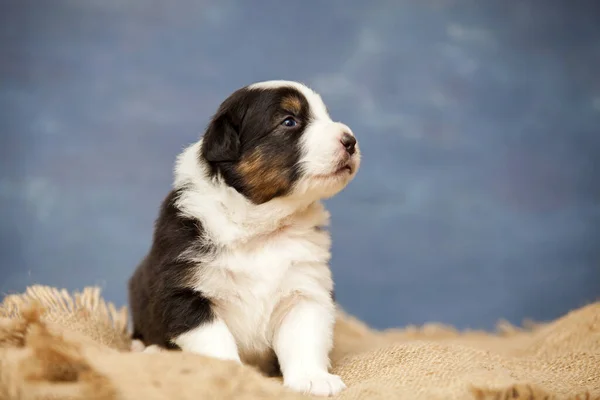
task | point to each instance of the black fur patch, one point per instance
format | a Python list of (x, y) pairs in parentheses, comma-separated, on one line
[(250, 147), (162, 307)]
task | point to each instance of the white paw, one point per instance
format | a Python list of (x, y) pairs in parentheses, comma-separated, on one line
[(137, 346), (153, 349), (317, 384)]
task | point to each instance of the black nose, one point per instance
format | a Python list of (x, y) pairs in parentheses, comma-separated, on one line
[(348, 142)]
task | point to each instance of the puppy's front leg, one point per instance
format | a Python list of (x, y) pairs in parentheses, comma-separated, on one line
[(302, 344), (212, 339)]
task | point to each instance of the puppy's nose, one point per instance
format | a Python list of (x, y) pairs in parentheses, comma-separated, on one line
[(349, 142)]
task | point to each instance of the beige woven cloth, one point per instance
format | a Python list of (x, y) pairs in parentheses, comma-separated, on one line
[(57, 345)]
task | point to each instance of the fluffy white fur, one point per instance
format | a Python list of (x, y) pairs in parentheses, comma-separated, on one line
[(212, 340), (271, 286)]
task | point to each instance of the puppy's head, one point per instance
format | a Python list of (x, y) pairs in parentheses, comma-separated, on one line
[(276, 139)]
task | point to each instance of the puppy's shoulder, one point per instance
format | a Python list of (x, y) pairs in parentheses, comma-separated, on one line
[(175, 233)]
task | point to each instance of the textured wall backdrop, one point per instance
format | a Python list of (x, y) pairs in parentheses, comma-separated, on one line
[(479, 195)]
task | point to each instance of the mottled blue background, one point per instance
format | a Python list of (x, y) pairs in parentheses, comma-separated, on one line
[(479, 195)]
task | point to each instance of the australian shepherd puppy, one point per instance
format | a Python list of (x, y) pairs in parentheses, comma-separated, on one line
[(238, 267)]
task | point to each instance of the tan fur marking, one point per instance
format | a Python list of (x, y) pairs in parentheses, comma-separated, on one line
[(292, 104), (263, 176)]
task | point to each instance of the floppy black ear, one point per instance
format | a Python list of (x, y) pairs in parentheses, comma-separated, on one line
[(221, 141)]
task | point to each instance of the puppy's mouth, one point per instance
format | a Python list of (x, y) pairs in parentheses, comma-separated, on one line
[(345, 169), (346, 166)]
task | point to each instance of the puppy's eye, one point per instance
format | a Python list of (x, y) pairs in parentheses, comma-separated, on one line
[(289, 122)]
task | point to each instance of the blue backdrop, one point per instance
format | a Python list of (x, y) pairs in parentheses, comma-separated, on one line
[(479, 194)]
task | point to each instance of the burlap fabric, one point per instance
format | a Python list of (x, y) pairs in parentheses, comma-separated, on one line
[(56, 345)]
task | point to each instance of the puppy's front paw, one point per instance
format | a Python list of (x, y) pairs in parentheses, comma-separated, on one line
[(152, 349), (137, 346), (317, 384)]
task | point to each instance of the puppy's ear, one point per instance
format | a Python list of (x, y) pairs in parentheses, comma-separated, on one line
[(221, 141)]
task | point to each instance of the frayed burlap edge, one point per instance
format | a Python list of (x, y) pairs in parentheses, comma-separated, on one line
[(85, 312), (60, 301)]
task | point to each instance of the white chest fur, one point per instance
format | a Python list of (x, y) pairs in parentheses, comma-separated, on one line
[(250, 284)]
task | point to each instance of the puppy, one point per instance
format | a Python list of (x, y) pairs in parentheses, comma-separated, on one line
[(238, 267)]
